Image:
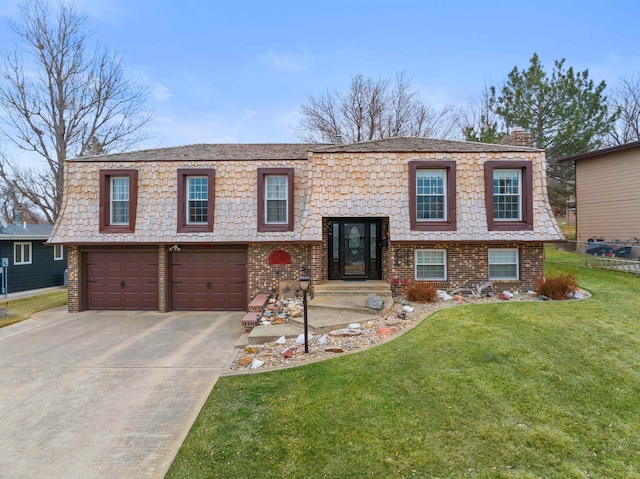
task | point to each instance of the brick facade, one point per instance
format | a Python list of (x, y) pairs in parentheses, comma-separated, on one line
[(73, 280)]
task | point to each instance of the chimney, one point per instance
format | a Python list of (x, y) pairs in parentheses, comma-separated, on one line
[(337, 140), (518, 138)]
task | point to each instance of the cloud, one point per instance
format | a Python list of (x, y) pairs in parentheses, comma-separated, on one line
[(160, 92), (285, 62)]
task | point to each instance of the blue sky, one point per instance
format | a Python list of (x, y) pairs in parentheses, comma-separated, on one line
[(238, 71)]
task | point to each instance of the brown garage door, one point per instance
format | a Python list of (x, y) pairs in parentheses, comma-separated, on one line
[(122, 280), (209, 280)]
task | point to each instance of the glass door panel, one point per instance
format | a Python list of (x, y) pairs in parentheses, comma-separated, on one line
[(355, 249)]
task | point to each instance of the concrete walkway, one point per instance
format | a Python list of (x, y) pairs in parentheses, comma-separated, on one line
[(106, 394)]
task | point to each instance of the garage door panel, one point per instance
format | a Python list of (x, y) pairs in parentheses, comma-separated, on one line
[(122, 280), (209, 280)]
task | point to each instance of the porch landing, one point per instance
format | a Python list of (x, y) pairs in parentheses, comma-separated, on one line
[(335, 305)]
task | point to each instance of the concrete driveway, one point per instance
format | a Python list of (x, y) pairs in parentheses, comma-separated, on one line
[(106, 394)]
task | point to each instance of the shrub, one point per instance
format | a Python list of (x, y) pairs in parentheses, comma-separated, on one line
[(421, 293), (557, 287)]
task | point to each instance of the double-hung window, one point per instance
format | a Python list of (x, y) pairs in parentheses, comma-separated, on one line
[(58, 252), (509, 195), (275, 199), (118, 201), (195, 200), (503, 264), (21, 253), (432, 195), (431, 264)]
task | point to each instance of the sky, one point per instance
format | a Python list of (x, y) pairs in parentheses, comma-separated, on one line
[(239, 71)]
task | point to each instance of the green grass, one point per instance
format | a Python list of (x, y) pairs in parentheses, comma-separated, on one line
[(513, 390), (21, 309)]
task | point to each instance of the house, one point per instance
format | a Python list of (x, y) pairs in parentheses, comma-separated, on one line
[(208, 227), (27, 261), (608, 194)]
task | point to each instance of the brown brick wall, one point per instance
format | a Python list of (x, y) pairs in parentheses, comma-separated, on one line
[(467, 264), (162, 278), (73, 289)]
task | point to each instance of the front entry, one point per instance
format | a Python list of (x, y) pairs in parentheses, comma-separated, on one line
[(354, 248)]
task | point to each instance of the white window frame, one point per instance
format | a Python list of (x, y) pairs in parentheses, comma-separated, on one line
[(516, 264), (58, 252), (285, 198), (418, 252), (23, 246), (189, 199), (113, 201), (518, 171), (445, 188)]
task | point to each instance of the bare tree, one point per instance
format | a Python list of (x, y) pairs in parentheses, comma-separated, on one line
[(478, 121), (370, 110), (626, 100), (61, 96)]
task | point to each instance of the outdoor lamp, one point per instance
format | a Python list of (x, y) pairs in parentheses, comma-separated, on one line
[(305, 282)]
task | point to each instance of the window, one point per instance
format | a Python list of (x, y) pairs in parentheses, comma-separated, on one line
[(58, 252), (275, 199), (21, 253), (431, 264), (509, 191), (195, 200), (432, 195), (118, 201), (503, 263)]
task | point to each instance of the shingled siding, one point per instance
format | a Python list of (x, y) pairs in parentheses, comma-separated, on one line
[(467, 265)]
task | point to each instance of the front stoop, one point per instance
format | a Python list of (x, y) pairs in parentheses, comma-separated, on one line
[(335, 305)]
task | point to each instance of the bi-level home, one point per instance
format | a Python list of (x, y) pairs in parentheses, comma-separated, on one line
[(208, 227)]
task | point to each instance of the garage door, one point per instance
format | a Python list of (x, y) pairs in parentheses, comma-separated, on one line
[(209, 280), (122, 280)]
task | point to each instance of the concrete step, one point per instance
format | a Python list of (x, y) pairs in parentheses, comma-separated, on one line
[(338, 303), (351, 287)]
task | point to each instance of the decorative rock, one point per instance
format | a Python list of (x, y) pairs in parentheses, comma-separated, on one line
[(245, 361), (405, 302), (323, 340), (373, 301), (542, 297), (578, 295), (268, 314), (443, 295), (507, 294), (385, 331), (402, 314), (369, 324), (408, 309), (300, 339), (287, 353), (345, 332), (256, 363), (334, 350), (281, 340), (531, 293), (503, 296), (253, 348), (354, 326)]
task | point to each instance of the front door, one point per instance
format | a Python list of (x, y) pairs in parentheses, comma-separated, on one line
[(354, 248)]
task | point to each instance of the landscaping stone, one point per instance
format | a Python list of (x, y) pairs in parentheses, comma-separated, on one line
[(334, 350), (253, 348), (503, 296), (373, 301), (287, 353), (345, 332), (408, 309), (542, 297), (385, 331)]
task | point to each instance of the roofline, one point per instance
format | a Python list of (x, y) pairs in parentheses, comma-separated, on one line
[(591, 154), (5, 236)]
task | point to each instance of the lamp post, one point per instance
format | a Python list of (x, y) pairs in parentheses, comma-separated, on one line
[(305, 282)]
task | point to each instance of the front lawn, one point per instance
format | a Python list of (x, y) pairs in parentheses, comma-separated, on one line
[(513, 390), (23, 308)]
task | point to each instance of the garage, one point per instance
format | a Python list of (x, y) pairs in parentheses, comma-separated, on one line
[(209, 280), (121, 280)]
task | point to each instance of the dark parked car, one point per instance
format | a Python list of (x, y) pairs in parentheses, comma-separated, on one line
[(600, 249), (623, 252)]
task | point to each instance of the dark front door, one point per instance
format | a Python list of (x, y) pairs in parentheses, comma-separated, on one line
[(354, 248)]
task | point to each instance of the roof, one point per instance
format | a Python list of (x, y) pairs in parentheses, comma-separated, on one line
[(407, 144), (605, 151), (299, 151), (219, 151), (25, 231)]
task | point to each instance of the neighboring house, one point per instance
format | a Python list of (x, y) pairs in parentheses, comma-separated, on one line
[(208, 227), (30, 262), (608, 194)]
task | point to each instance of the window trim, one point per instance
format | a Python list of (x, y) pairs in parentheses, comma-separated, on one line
[(263, 226), (493, 278), (526, 199), (58, 257), (22, 244), (451, 195), (105, 225), (183, 225), (445, 262)]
